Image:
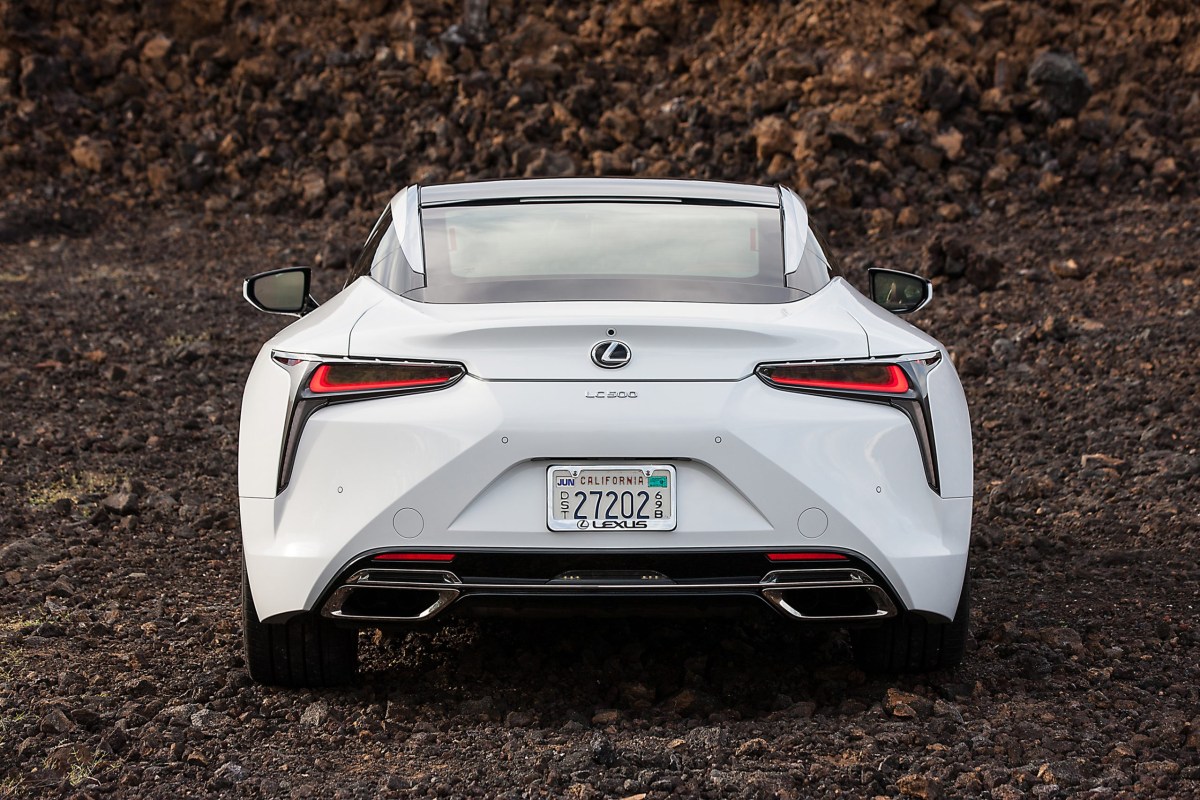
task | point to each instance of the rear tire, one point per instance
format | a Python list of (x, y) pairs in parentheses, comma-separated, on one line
[(911, 643), (304, 652)]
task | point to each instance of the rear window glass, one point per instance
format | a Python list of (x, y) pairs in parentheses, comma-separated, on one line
[(601, 251)]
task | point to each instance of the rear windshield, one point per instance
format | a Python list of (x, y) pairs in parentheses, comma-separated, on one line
[(596, 250)]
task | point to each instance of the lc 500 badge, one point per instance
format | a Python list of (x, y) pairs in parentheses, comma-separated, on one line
[(610, 395)]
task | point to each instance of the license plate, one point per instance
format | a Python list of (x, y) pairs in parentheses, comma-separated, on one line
[(583, 497)]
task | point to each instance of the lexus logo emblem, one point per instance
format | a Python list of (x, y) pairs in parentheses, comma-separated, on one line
[(611, 354)]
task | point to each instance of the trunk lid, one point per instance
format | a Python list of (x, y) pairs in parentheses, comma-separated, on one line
[(554, 341)]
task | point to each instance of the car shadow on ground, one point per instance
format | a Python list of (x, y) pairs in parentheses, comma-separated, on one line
[(557, 671)]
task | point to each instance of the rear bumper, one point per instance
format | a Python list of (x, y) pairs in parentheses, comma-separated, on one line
[(376, 592), (464, 470)]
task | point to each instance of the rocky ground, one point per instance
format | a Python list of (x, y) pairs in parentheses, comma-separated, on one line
[(155, 154)]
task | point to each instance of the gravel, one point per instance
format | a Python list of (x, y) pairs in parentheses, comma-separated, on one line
[(155, 156)]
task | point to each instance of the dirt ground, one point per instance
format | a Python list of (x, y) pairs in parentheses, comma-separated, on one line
[(155, 154), (122, 673)]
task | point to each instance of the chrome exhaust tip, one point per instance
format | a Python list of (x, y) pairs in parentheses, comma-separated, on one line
[(392, 596), (835, 595)]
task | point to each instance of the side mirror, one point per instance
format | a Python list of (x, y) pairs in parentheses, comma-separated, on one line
[(280, 291), (899, 292)]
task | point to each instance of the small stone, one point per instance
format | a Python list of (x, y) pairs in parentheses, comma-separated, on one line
[(622, 124), (1069, 268), (919, 786), (1061, 82), (55, 721), (439, 71), (1165, 168), (1065, 639), (880, 220), (94, 155), (707, 738), (519, 719), (941, 708), (951, 142), (123, 503), (926, 157), (60, 588), (752, 748), (228, 774), (908, 217), (1049, 183), (139, 687), (1063, 773), (905, 704), (60, 759), (316, 714), (606, 716), (160, 177), (773, 135), (950, 212), (208, 720), (1093, 459), (262, 70), (312, 187), (995, 101), (156, 48), (995, 178), (603, 752)]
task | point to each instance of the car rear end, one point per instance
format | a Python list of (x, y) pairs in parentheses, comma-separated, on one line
[(425, 451), (526, 463)]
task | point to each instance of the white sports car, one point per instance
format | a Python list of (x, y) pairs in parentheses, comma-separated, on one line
[(600, 395)]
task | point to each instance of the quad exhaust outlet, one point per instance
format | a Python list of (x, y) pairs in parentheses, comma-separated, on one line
[(404, 595)]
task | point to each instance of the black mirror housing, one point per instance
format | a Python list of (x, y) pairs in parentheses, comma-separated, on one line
[(281, 291), (899, 292)]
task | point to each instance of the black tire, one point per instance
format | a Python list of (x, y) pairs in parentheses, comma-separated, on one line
[(911, 643), (304, 652)]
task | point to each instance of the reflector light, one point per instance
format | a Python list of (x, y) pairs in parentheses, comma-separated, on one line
[(806, 557), (329, 378), (875, 378), (443, 557)]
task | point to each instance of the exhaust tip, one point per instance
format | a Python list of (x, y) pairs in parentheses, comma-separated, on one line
[(383, 604)]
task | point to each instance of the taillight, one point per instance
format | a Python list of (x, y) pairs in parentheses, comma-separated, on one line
[(873, 378), (377, 377), (806, 556), (439, 557)]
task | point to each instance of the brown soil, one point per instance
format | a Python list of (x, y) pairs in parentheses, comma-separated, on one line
[(155, 154)]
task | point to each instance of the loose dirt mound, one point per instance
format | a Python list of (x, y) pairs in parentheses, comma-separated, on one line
[(899, 111)]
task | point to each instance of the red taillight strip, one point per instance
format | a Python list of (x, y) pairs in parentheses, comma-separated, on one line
[(806, 557), (896, 383), (442, 557), (321, 384)]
